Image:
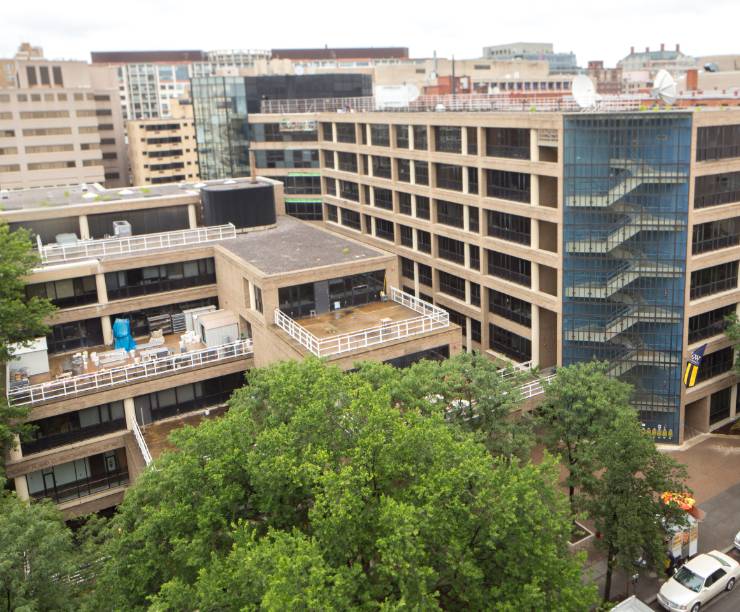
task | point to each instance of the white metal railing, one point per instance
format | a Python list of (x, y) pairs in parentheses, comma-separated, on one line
[(536, 387), (431, 318), (142, 443), (135, 372), (60, 253)]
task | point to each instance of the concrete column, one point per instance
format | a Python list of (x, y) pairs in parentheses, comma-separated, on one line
[(534, 232), (21, 488), (84, 228), (101, 288), (411, 138), (129, 410), (534, 190), (192, 216), (535, 276), (466, 181), (535, 334), (107, 330), (416, 272), (534, 147), (733, 401), (464, 142), (468, 335), (412, 172), (14, 452)]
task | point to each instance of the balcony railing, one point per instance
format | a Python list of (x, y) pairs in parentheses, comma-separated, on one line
[(141, 442), (84, 487), (61, 253), (133, 373), (70, 437), (431, 318)]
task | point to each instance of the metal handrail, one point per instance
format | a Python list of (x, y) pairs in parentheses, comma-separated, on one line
[(60, 253), (135, 372), (139, 437), (431, 318)]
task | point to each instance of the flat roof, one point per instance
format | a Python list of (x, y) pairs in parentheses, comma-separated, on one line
[(40, 197), (295, 245)]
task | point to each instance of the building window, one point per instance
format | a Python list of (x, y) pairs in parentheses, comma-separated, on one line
[(403, 167), (347, 162), (449, 213), (508, 185), (472, 140), (420, 138), (708, 324), (407, 236), (473, 216), (346, 132), (509, 343), (713, 280), (380, 135), (451, 285), (475, 294), (507, 142), (257, 298), (349, 191), (384, 229), (407, 268), (404, 203), (154, 279), (66, 293), (448, 139), (473, 180), (402, 136), (715, 364), (449, 176), (509, 227), (329, 160), (422, 207), (718, 142), (510, 268), (719, 406), (327, 132), (383, 198), (424, 241), (474, 256), (331, 213), (451, 250), (425, 275), (421, 172), (31, 75), (350, 218), (716, 189), (330, 186), (510, 307), (475, 330), (381, 166), (715, 235)]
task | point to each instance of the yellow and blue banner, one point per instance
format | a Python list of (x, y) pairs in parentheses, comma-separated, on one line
[(692, 366)]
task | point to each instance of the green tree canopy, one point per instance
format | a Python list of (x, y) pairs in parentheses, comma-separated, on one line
[(325, 490), (36, 554)]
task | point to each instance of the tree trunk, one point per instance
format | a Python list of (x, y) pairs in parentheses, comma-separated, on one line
[(608, 581), (571, 495)]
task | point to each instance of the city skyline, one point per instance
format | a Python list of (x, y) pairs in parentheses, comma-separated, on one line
[(76, 28)]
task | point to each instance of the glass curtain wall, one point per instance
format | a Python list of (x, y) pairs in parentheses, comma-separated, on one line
[(221, 129), (626, 201)]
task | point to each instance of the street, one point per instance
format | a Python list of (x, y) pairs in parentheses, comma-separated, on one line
[(726, 602)]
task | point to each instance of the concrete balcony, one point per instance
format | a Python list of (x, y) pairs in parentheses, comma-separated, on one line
[(86, 249), (44, 388), (361, 327)]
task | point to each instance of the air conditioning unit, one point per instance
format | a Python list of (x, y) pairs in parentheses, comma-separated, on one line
[(121, 229)]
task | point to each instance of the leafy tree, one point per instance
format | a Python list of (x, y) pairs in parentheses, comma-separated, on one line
[(324, 490), (581, 403), (36, 553), (733, 333), (21, 319), (623, 497)]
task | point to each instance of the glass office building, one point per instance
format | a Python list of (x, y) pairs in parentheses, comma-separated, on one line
[(221, 128), (626, 188)]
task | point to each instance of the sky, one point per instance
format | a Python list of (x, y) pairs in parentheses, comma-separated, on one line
[(592, 29)]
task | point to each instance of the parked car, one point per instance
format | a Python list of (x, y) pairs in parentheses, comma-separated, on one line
[(737, 541), (698, 581)]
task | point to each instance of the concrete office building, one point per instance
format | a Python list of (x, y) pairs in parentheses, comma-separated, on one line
[(559, 63), (60, 123), (164, 150), (555, 236), (213, 280)]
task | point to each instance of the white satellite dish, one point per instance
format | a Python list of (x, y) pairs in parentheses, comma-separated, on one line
[(664, 87), (584, 91)]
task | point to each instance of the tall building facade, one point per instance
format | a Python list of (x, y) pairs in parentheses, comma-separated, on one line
[(559, 237), (60, 123)]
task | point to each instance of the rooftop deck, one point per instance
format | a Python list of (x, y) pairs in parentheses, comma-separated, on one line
[(361, 327), (157, 434)]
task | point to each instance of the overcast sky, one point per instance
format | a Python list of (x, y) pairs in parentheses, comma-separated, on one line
[(593, 29)]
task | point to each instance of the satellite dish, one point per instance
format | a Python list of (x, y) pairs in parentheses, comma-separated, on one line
[(584, 91), (395, 96), (298, 70), (664, 87)]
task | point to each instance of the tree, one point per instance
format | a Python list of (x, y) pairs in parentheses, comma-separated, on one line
[(622, 497), (323, 490), (36, 554), (581, 403), (733, 333), (21, 318)]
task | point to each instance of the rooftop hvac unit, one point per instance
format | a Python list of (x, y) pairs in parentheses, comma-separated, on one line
[(66, 238), (121, 229)]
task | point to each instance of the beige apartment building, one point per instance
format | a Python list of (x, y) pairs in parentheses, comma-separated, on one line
[(164, 151), (555, 236), (211, 280), (60, 124)]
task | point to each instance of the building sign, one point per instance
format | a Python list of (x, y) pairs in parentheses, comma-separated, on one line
[(288, 125), (692, 366)]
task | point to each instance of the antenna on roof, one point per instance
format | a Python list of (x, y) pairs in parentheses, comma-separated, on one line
[(664, 87), (584, 91)]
